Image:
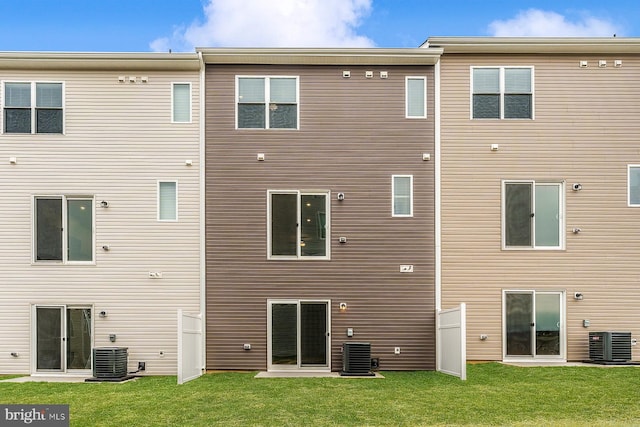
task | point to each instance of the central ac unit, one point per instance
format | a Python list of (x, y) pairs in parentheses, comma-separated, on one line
[(610, 346), (356, 359), (110, 362)]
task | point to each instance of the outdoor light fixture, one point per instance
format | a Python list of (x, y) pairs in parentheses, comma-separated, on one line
[(343, 306), (104, 204)]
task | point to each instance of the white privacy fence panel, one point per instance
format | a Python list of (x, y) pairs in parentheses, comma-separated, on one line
[(452, 341), (189, 346)]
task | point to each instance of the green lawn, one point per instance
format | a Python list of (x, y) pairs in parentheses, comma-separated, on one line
[(494, 394)]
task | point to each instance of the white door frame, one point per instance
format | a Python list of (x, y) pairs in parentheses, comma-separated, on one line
[(64, 339), (297, 366), (562, 357)]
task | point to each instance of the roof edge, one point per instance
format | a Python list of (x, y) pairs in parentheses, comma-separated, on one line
[(321, 56), (99, 61), (549, 45)]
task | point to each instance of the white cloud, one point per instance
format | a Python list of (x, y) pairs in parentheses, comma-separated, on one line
[(272, 23), (540, 23)]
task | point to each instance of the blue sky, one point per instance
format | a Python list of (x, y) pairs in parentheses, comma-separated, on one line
[(181, 25)]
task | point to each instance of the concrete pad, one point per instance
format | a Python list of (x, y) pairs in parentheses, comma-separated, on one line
[(298, 374), (47, 379)]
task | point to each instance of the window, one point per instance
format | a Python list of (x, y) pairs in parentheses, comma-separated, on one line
[(502, 93), (167, 201), (402, 190), (63, 229), (298, 225), (633, 184), (181, 103), (416, 94), (33, 107), (267, 102), (532, 215)]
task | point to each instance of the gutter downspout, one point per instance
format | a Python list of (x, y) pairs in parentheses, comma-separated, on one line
[(203, 246), (438, 223)]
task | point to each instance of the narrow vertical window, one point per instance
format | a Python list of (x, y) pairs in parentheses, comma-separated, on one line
[(181, 105), (416, 97), (167, 201), (283, 107), (633, 193), (517, 93), (402, 190), (251, 103)]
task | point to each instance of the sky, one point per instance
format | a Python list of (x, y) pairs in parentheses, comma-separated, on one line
[(183, 25)]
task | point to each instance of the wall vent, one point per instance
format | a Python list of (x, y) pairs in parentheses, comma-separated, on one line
[(356, 359), (110, 362), (610, 346)]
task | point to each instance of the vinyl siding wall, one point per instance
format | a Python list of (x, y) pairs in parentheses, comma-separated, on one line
[(118, 142), (585, 131), (353, 137)]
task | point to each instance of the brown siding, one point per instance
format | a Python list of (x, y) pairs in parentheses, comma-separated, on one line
[(585, 131), (353, 136)]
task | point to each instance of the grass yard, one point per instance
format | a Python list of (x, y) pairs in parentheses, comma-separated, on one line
[(494, 394)]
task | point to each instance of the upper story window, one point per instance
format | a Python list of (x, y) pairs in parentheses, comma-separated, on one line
[(402, 190), (181, 103), (298, 225), (267, 102), (532, 215), (63, 229), (416, 97), (33, 107), (502, 93), (633, 185)]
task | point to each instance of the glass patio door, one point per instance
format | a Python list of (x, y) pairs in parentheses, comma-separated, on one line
[(63, 338), (533, 324), (298, 335)]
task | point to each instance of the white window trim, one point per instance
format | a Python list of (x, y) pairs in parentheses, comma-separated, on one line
[(629, 204), (158, 200), (406, 96), (561, 219), (65, 237), (267, 96), (33, 107), (173, 113), (327, 240), (502, 91), (393, 196)]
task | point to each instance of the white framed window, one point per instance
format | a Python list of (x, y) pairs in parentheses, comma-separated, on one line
[(33, 107), (167, 200), (181, 102), (532, 215), (298, 224), (63, 229), (633, 185), (267, 102), (402, 195), (416, 97), (502, 93)]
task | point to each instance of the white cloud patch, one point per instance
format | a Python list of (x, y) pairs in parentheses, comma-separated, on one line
[(540, 23), (272, 23)]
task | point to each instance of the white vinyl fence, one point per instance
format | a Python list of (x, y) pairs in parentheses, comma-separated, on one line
[(189, 346), (451, 341)]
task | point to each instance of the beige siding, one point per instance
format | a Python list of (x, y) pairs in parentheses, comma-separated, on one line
[(585, 131), (353, 137), (118, 142)]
